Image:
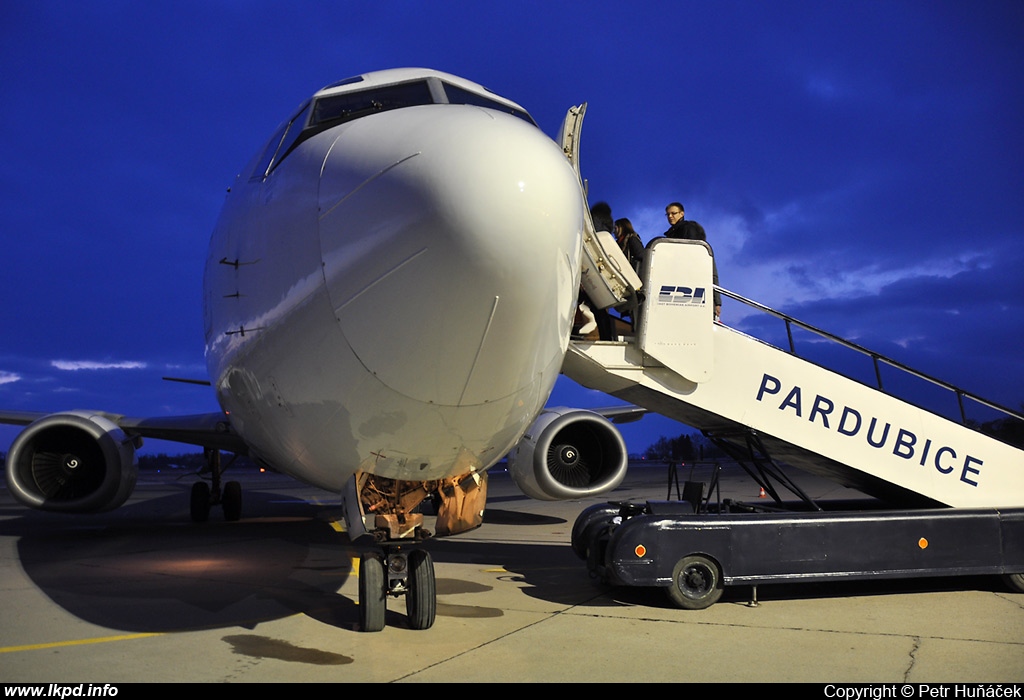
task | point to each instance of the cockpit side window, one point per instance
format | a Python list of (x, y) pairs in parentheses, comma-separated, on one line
[(281, 143), (460, 96), (269, 151)]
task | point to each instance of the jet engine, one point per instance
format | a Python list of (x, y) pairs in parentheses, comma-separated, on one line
[(75, 462), (568, 453)]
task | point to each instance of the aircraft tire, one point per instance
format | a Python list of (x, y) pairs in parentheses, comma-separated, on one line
[(421, 598), (1015, 582), (696, 583), (372, 596), (231, 501), (199, 502)]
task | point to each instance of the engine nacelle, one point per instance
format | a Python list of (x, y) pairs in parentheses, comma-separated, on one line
[(75, 462), (568, 453)]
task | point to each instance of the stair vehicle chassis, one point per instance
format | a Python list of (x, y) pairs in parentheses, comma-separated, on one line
[(694, 556)]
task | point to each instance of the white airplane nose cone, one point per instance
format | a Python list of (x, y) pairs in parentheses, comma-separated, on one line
[(475, 262)]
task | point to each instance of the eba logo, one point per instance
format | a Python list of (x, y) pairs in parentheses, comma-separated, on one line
[(681, 296)]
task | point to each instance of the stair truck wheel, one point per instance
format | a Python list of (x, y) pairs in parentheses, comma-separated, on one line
[(696, 583)]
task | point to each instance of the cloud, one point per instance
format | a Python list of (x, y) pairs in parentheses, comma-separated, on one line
[(75, 365), (819, 269), (9, 377)]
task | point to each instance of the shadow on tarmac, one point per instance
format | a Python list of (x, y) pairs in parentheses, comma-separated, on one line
[(147, 568)]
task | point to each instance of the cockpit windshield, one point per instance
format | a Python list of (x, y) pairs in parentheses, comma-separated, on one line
[(331, 110), (337, 109)]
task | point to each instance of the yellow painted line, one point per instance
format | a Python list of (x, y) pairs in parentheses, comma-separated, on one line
[(337, 526), (78, 642)]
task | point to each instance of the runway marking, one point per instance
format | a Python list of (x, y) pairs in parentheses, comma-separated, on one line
[(78, 642)]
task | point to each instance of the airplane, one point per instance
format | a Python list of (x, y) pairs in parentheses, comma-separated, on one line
[(389, 294)]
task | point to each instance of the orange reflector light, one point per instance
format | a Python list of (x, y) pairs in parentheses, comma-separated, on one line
[(640, 550), (922, 543)]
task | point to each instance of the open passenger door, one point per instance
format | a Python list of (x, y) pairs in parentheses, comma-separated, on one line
[(607, 276)]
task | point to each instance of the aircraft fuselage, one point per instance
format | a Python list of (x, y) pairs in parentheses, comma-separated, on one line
[(393, 292)]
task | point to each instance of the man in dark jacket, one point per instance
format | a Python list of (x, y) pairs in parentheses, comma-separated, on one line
[(679, 227)]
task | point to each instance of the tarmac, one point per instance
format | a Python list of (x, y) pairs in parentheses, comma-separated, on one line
[(142, 594)]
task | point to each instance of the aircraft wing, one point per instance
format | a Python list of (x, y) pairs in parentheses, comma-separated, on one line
[(621, 414), (203, 429), (20, 417)]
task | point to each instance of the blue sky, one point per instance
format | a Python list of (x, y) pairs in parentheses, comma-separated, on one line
[(858, 165)]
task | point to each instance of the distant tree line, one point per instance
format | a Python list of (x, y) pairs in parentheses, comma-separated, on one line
[(192, 462), (694, 446), (682, 448), (1009, 429)]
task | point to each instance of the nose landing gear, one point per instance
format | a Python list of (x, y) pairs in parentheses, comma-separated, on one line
[(397, 565), (400, 566), (396, 573)]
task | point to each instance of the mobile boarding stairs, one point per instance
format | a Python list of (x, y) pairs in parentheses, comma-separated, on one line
[(949, 499)]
